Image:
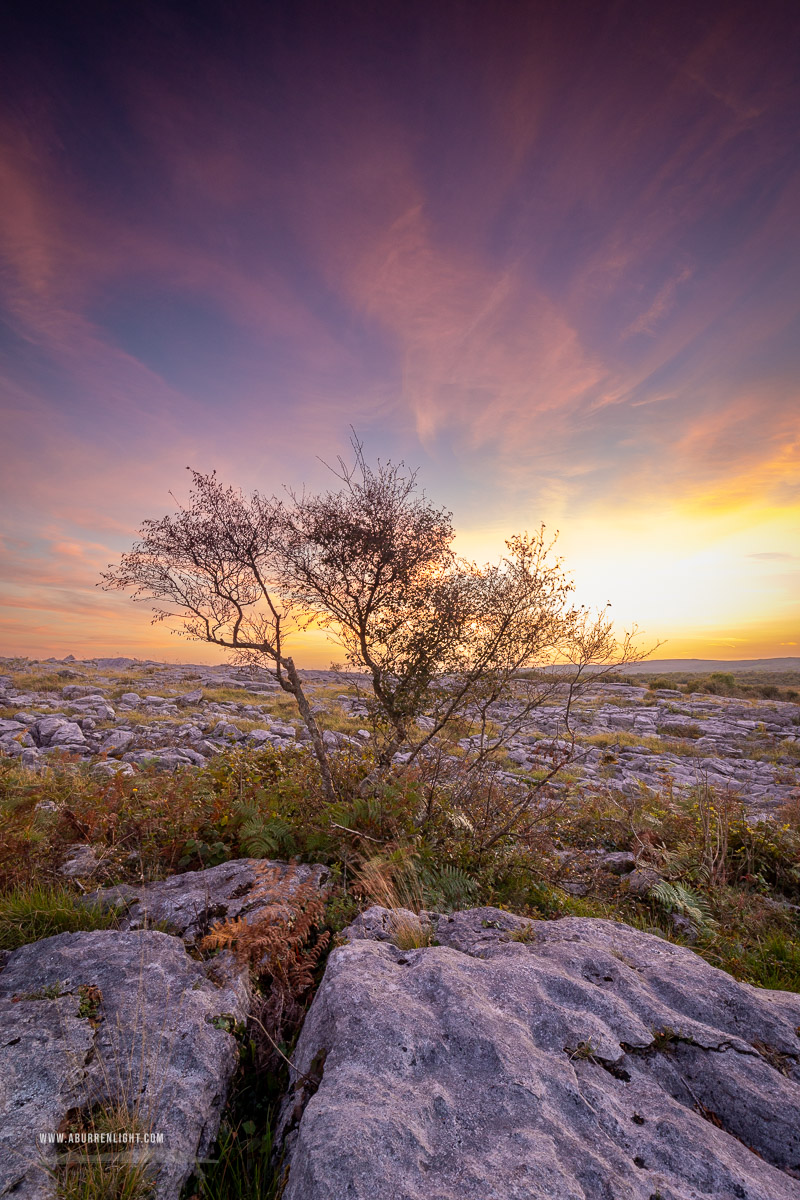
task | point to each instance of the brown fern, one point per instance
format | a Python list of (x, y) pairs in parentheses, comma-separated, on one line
[(282, 944)]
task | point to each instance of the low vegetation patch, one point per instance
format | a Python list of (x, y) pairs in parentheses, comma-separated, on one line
[(31, 911), (623, 740), (747, 685), (425, 839), (95, 1170), (241, 1165)]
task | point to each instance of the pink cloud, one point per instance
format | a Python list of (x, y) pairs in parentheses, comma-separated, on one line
[(571, 369)]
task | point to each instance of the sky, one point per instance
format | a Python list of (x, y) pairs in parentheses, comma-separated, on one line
[(548, 253)]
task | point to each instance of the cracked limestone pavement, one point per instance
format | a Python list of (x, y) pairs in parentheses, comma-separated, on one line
[(124, 715), (518, 1060), (127, 1019), (111, 1018)]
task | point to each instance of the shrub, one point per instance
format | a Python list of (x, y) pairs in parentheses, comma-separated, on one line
[(438, 637)]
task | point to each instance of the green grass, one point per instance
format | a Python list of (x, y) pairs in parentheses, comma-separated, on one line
[(773, 962), (756, 748), (44, 681), (95, 1170), (34, 911), (621, 739), (115, 1174), (241, 1165), (241, 1169), (337, 721), (135, 718)]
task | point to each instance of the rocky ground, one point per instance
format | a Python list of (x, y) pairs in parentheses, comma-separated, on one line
[(122, 715), (471, 1054), (448, 1054), (132, 1022)]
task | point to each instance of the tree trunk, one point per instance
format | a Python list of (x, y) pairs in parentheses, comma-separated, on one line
[(296, 688)]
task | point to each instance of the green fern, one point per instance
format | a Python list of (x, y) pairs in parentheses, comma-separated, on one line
[(674, 897), (684, 861), (245, 811), (362, 810), (262, 838), (447, 887), (316, 846)]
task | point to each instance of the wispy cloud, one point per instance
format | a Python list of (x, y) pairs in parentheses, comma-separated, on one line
[(561, 273), (663, 303)]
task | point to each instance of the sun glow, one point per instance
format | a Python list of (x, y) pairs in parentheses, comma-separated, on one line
[(706, 581)]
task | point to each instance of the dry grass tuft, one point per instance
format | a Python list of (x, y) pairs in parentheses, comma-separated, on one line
[(396, 886)]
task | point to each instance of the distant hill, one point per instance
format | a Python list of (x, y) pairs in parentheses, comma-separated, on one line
[(653, 666), (701, 666)]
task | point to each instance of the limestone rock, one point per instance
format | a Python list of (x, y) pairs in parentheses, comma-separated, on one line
[(69, 733), (260, 737), (192, 756), (117, 741), (519, 1060), (283, 729), (47, 727), (207, 749), (190, 903), (192, 733), (161, 760), (15, 743), (151, 1033), (575, 887), (618, 862), (81, 861), (225, 729), (381, 924), (96, 706), (642, 880), (112, 768), (684, 926), (11, 727), (40, 1047)]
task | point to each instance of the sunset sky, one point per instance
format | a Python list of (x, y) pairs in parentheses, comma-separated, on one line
[(548, 253)]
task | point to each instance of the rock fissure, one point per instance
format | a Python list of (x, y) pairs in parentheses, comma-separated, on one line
[(165, 1049)]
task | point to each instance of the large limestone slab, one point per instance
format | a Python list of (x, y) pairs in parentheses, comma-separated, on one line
[(587, 1062), (105, 1018)]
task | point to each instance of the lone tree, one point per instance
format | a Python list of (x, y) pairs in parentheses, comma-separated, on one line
[(440, 638)]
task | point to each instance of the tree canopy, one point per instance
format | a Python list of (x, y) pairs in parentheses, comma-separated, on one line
[(438, 638)]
